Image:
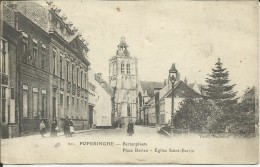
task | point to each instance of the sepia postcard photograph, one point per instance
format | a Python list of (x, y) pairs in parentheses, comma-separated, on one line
[(129, 82)]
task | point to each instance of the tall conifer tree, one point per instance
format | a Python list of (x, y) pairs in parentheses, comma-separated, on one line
[(219, 90)]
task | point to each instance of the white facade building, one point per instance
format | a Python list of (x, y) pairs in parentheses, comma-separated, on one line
[(101, 98)]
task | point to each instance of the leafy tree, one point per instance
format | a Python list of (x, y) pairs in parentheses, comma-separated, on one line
[(248, 100), (219, 89), (245, 116), (199, 115)]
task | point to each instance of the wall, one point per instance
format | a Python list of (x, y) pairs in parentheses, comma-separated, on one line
[(103, 107)]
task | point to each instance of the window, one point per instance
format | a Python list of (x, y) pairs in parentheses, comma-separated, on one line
[(44, 104), (82, 105), (77, 104), (25, 103), (85, 81), (4, 60), (81, 79), (43, 56), (61, 99), (122, 68), (68, 102), (73, 101), (12, 93), (72, 73), (114, 68), (35, 104), (54, 61), (128, 111), (67, 68), (25, 56), (61, 71), (128, 68), (77, 76), (4, 104), (34, 52)]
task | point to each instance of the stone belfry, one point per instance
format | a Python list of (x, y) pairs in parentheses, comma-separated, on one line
[(123, 77)]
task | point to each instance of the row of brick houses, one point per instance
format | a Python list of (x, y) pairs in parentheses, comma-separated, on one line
[(44, 69)]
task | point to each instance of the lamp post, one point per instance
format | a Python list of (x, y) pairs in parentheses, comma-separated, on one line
[(172, 76), (145, 106)]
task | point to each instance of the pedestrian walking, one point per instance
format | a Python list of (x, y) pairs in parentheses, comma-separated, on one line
[(130, 128), (42, 128), (54, 128), (66, 127), (71, 128)]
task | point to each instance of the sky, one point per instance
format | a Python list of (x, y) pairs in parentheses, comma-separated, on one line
[(191, 34)]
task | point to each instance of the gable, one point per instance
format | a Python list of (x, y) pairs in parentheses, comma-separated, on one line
[(182, 90), (150, 87)]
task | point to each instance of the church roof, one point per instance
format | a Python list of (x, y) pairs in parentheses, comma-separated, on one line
[(149, 86)]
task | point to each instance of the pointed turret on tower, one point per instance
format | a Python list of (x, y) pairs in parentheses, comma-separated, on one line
[(122, 48)]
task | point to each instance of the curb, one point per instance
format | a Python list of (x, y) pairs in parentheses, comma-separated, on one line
[(82, 131), (167, 133)]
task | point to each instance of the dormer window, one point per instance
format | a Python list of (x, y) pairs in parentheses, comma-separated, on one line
[(65, 32), (61, 29)]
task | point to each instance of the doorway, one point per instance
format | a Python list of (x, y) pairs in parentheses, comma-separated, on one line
[(90, 116)]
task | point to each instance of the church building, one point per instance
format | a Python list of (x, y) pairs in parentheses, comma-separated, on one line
[(123, 78)]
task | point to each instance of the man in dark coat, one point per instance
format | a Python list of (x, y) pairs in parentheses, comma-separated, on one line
[(130, 128), (54, 128), (66, 127)]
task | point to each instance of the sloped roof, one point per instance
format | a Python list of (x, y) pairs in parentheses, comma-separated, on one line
[(107, 87), (149, 86), (185, 91), (191, 85), (179, 86)]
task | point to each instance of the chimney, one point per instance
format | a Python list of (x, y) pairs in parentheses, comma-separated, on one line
[(186, 81)]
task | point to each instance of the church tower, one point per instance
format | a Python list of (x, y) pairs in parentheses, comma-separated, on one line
[(123, 77)]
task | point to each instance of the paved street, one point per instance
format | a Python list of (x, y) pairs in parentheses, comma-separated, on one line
[(35, 149), (139, 131)]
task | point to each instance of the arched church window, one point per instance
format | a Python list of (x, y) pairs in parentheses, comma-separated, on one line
[(114, 68), (128, 111), (128, 68), (122, 68)]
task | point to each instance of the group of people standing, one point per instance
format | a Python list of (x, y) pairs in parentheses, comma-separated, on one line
[(68, 128)]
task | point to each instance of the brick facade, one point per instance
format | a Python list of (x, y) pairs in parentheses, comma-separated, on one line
[(44, 52)]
